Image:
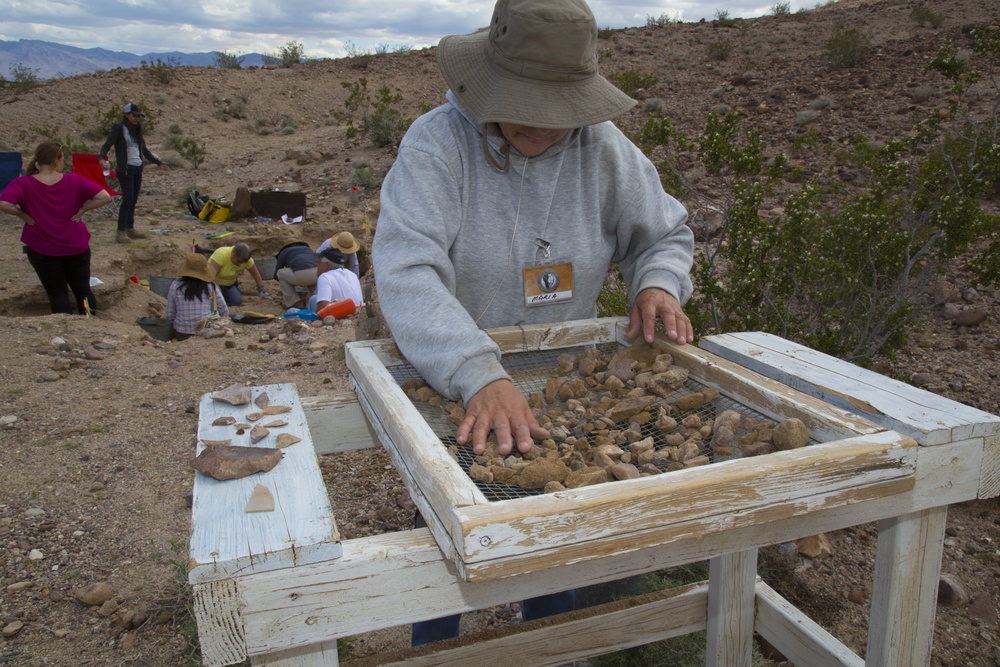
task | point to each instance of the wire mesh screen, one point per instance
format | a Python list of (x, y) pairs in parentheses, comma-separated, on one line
[(531, 372)]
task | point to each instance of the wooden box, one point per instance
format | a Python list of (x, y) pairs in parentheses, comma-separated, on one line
[(852, 460)]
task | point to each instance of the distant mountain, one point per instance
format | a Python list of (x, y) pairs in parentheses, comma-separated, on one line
[(49, 60)]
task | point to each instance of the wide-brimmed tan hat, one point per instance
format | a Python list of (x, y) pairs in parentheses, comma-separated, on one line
[(196, 265), (536, 65), (345, 243)]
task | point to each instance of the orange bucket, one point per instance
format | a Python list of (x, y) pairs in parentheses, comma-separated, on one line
[(338, 309)]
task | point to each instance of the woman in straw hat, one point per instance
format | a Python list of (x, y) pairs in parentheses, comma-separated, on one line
[(506, 205), (347, 245), (194, 298)]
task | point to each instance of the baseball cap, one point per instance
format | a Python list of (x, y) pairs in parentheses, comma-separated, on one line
[(132, 107)]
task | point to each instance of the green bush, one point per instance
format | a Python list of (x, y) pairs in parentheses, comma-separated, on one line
[(722, 18), (163, 71), (922, 15), (187, 148), (631, 80), (781, 9), (358, 58), (23, 77), (227, 60), (662, 21), (846, 48), (378, 118), (291, 53), (364, 176), (720, 49)]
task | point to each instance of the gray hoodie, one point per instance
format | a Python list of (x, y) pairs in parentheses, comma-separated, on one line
[(455, 233)]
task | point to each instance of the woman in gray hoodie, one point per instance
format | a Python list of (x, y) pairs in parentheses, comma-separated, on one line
[(506, 206)]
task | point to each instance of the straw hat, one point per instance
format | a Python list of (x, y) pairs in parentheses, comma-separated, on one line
[(536, 65), (196, 265), (345, 243)]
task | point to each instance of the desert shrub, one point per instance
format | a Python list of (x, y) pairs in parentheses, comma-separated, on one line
[(23, 77), (38, 134), (605, 33), (363, 175), (357, 57), (227, 60), (379, 118), (781, 9), (846, 47), (289, 54), (806, 116), (720, 49), (837, 267), (188, 148), (631, 80), (231, 110), (163, 71), (922, 15), (723, 19), (662, 21)]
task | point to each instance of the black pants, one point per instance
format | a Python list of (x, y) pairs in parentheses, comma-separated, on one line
[(131, 182), (55, 273)]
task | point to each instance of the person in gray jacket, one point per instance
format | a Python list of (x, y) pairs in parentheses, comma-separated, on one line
[(506, 205), (521, 181)]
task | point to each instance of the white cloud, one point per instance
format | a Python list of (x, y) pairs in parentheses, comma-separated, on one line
[(324, 27)]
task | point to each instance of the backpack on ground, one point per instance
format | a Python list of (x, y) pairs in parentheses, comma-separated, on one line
[(196, 202)]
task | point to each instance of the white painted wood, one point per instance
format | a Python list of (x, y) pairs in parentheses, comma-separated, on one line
[(904, 595), (539, 532), (315, 655), (337, 423), (556, 335), (926, 417), (395, 579), (216, 608), (800, 639), (990, 486), (589, 632), (732, 581), (225, 539)]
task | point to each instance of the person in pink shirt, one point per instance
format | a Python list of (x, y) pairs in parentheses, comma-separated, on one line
[(57, 242)]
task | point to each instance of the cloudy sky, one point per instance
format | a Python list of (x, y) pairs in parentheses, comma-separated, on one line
[(326, 28)]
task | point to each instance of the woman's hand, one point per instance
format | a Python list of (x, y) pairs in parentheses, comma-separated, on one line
[(654, 302), (501, 408)]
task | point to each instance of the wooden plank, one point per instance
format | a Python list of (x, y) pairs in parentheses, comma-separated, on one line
[(338, 424), (556, 335), (800, 639), (732, 582), (562, 639), (395, 579), (315, 655), (225, 540), (926, 417), (217, 610), (614, 516), (990, 485), (904, 595)]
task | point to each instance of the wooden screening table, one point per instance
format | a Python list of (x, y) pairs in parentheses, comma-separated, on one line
[(884, 451)]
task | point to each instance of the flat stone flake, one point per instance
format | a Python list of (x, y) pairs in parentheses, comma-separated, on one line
[(216, 443), (262, 400), (261, 500), (224, 421), (286, 440), (234, 394), (254, 416), (277, 423), (258, 433), (276, 409)]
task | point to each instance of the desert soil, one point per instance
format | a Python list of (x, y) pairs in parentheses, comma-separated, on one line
[(99, 419)]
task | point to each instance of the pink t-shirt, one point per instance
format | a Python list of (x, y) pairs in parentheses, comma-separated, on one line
[(52, 207)]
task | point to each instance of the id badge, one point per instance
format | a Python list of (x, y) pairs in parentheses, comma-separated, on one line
[(548, 283)]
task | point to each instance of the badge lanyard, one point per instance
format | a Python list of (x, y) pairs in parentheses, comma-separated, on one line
[(547, 280)]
